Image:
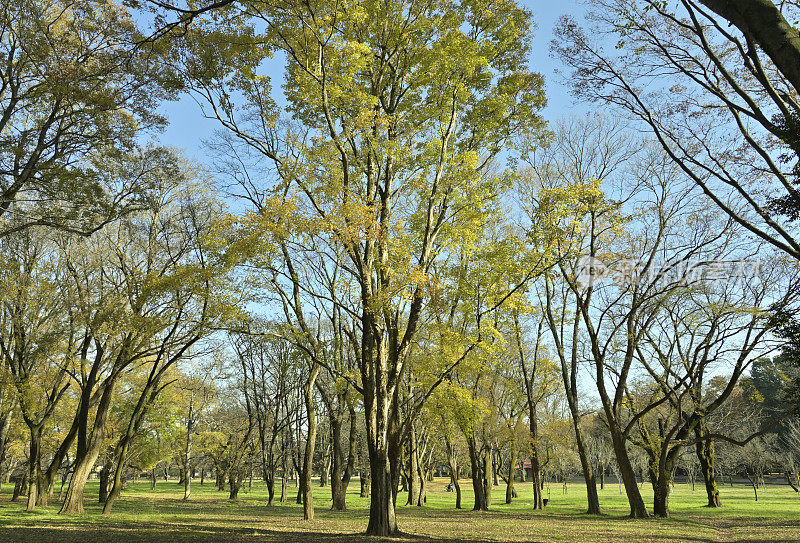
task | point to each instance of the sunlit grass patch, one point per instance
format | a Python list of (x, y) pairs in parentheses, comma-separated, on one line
[(161, 515)]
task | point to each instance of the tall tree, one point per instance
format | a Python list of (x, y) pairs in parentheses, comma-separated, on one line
[(727, 117), (147, 293), (39, 340), (629, 253), (403, 107), (584, 151), (73, 88)]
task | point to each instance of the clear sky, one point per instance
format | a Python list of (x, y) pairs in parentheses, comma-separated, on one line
[(188, 128)]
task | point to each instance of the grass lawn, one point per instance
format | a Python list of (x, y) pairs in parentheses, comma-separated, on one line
[(160, 515)]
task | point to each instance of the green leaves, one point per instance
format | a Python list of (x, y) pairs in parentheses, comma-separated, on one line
[(75, 87)]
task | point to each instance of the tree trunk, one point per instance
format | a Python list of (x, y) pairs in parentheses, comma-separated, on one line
[(478, 486), (413, 468), (187, 484), (235, 483), (20, 486), (512, 467), (487, 476), (323, 473), (34, 466), (284, 475), (153, 480), (88, 448), (187, 453), (456, 485), (705, 456), (364, 483), (338, 490), (73, 503), (536, 468), (637, 507), (63, 483), (384, 449), (5, 426), (383, 446), (308, 456), (352, 453), (105, 475), (495, 469), (270, 490), (762, 21), (663, 485), (454, 469), (422, 497), (754, 483), (588, 470), (569, 376), (341, 477), (381, 508), (116, 487), (792, 483)]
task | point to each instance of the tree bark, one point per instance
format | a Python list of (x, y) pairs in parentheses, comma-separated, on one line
[(762, 22), (105, 475), (381, 506), (382, 422), (5, 426), (89, 443), (454, 469), (705, 456), (536, 468), (569, 376), (338, 492), (792, 483), (512, 467), (34, 466), (478, 487), (235, 483), (588, 472), (187, 452), (663, 484), (308, 455), (20, 486), (753, 482), (637, 507), (487, 475), (422, 496), (341, 472), (364, 483), (413, 468), (285, 474)]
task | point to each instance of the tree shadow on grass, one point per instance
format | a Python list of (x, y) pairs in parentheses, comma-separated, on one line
[(73, 530), (164, 518), (204, 534), (196, 534)]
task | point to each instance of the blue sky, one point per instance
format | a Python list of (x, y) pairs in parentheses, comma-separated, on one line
[(188, 128)]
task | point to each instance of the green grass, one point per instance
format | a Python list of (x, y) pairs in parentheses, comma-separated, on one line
[(141, 515)]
